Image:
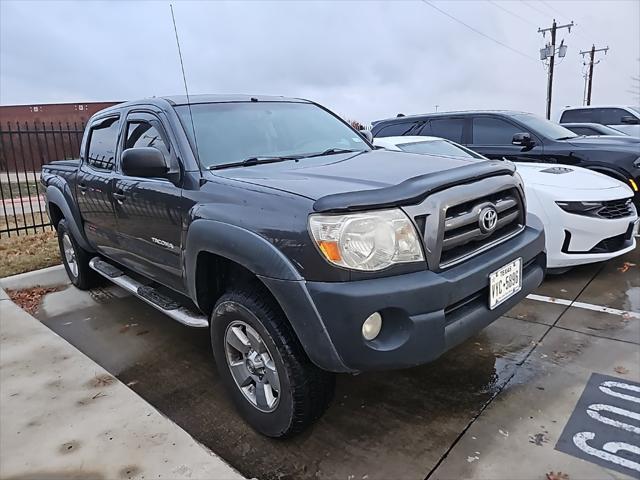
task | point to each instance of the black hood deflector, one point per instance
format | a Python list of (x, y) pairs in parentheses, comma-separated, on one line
[(413, 190)]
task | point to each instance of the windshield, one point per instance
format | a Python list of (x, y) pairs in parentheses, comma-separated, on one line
[(438, 147), (544, 127), (635, 109), (234, 132)]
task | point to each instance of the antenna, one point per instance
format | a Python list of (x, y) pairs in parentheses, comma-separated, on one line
[(186, 89)]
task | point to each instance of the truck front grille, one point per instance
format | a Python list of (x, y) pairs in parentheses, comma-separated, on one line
[(449, 220), (616, 208), (464, 235)]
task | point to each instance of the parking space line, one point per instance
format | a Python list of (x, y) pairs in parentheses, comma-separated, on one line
[(586, 306)]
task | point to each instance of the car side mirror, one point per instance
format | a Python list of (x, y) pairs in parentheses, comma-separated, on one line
[(629, 120), (366, 134), (522, 140), (144, 162)]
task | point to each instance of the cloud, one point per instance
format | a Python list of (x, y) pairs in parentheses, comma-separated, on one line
[(365, 60)]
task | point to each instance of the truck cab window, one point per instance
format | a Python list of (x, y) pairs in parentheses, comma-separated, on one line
[(143, 134), (102, 144)]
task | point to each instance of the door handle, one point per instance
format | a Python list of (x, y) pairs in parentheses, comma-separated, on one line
[(83, 188), (119, 196)]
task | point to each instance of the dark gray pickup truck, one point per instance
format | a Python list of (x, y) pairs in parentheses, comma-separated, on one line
[(302, 249)]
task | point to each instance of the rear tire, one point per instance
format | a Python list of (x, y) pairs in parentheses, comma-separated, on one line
[(247, 320), (75, 258)]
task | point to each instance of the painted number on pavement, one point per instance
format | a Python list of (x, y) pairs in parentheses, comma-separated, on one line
[(604, 428)]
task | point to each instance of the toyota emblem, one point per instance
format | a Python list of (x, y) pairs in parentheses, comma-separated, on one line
[(487, 219)]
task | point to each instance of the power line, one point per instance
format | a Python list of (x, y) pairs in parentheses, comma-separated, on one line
[(524, 19), (546, 15), (426, 2)]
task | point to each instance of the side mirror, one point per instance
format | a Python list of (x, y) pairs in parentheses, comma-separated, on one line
[(367, 134), (144, 162), (629, 120), (522, 140)]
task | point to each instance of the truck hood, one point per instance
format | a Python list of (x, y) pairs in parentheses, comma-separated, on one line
[(354, 181), (565, 177)]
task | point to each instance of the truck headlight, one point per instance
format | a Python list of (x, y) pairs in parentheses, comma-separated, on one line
[(366, 241)]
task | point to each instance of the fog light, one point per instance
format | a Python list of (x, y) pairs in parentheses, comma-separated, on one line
[(372, 326)]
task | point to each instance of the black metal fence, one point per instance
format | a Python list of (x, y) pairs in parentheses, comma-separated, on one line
[(24, 148)]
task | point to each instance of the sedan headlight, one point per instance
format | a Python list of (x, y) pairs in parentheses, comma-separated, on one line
[(366, 241), (583, 208)]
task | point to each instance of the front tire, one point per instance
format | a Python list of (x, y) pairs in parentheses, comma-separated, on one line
[(75, 258), (272, 382)]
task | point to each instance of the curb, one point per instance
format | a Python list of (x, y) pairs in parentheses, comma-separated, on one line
[(45, 277)]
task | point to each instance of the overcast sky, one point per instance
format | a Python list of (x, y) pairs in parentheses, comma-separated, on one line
[(365, 60)]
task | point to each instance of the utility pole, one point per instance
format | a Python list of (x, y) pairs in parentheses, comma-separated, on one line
[(550, 52), (592, 54)]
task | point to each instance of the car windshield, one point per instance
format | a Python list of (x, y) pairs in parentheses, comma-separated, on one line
[(635, 109), (234, 132), (544, 128), (438, 147)]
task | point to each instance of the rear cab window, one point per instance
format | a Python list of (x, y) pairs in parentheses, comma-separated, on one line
[(580, 115), (612, 116), (103, 140)]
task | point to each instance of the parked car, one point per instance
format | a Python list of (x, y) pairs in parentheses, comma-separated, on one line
[(623, 118), (588, 217), (595, 129), (280, 228), (523, 137)]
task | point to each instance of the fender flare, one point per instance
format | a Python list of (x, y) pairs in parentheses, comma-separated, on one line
[(237, 244), (275, 271), (56, 197)]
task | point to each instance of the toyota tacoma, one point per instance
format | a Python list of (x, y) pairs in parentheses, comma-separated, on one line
[(281, 229)]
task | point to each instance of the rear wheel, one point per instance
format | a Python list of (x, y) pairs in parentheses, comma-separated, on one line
[(272, 382), (75, 258)]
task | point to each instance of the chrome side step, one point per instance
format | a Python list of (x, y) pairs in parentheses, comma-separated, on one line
[(148, 294)]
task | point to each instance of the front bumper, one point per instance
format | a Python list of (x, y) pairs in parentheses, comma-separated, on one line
[(424, 313)]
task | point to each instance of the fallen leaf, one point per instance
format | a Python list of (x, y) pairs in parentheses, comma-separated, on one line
[(29, 299), (626, 266), (557, 476), (142, 332), (621, 370)]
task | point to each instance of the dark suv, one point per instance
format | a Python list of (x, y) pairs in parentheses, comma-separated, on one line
[(522, 137)]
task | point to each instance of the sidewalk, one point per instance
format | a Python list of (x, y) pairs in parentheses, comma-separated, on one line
[(64, 416)]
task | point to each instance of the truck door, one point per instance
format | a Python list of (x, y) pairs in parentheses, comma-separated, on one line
[(148, 210), (94, 185), (492, 136)]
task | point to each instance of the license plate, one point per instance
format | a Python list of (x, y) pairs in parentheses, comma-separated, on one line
[(505, 283)]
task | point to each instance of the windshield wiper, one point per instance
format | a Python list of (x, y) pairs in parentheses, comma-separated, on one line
[(567, 138), (249, 162), (333, 151)]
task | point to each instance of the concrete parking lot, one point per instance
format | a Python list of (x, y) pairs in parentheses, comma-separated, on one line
[(495, 407)]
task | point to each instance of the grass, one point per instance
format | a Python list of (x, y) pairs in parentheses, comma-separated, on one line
[(27, 251), (27, 189)]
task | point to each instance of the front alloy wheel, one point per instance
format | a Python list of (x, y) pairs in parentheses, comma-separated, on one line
[(252, 366)]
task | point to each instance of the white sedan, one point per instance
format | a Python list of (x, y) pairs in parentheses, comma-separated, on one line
[(588, 217)]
